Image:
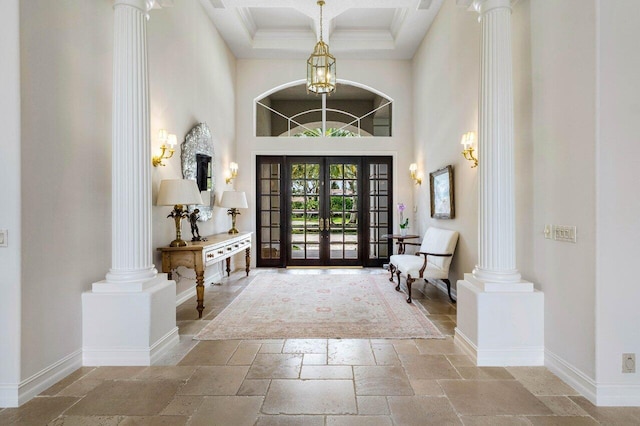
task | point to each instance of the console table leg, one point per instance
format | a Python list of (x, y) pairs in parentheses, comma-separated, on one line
[(228, 266), (247, 258), (200, 292)]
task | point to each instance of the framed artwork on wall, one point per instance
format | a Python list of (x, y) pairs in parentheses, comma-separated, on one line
[(441, 188)]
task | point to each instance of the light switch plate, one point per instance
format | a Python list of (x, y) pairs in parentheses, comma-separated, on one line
[(564, 233), (560, 233), (4, 236)]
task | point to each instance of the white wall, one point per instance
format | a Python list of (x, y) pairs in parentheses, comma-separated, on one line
[(554, 101), (191, 80), (564, 96), (66, 166), (256, 77), (446, 75), (618, 203), (10, 256)]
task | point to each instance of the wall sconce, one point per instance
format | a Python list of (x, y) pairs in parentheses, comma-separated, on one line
[(413, 170), (468, 140), (165, 139), (233, 172)]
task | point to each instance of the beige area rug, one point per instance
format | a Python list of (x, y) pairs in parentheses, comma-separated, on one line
[(278, 306)]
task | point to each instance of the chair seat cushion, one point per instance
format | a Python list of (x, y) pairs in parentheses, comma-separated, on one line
[(409, 264)]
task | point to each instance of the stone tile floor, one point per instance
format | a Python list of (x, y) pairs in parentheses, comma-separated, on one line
[(313, 381)]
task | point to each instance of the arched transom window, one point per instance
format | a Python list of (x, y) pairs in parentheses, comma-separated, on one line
[(352, 111)]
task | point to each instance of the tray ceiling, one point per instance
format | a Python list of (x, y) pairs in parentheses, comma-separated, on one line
[(359, 29)]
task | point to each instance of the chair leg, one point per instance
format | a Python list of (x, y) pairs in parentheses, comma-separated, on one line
[(409, 282), (392, 269), (398, 275), (448, 283)]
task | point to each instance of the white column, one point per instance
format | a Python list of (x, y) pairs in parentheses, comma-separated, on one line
[(131, 248), (129, 318), (496, 213), (500, 318)]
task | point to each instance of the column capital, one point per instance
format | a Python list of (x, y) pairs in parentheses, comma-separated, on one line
[(142, 5), (483, 6)]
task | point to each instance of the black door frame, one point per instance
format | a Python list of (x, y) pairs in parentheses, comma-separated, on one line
[(364, 162)]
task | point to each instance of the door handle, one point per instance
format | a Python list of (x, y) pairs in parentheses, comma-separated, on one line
[(327, 224), (321, 224)]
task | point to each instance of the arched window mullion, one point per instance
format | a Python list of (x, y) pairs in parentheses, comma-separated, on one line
[(271, 122)]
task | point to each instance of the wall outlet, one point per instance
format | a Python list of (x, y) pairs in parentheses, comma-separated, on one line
[(628, 363), (4, 236)]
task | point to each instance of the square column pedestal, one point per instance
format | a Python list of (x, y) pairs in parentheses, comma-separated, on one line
[(128, 323), (500, 324)]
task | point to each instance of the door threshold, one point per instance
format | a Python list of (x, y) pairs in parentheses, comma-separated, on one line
[(324, 267)]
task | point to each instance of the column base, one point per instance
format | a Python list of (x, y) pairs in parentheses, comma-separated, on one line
[(129, 327), (500, 328)]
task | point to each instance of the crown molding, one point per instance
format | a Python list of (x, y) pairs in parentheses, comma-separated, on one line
[(246, 18)]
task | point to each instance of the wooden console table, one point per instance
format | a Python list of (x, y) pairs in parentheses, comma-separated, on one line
[(197, 255)]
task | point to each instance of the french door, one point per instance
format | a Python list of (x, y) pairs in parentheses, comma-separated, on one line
[(323, 211)]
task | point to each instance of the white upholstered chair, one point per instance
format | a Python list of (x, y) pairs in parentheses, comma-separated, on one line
[(431, 262)]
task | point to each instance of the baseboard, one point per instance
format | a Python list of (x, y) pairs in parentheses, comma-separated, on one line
[(160, 348), (467, 346), (571, 375), (602, 395), (500, 357), (130, 356), (184, 296), (618, 396), (189, 293), (440, 285), (16, 394)]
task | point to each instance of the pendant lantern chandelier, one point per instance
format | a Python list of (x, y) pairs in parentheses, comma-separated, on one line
[(321, 66)]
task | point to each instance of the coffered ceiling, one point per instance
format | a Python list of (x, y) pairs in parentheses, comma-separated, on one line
[(357, 29)]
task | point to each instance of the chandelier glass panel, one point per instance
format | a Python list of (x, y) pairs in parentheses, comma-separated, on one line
[(321, 66)]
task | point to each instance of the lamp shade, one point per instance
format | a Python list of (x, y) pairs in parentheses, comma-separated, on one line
[(178, 191), (234, 199)]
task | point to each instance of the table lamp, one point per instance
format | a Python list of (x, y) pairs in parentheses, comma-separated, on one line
[(234, 200), (178, 193)]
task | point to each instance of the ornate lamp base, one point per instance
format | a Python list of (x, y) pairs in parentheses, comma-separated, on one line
[(177, 214), (178, 243), (233, 212)]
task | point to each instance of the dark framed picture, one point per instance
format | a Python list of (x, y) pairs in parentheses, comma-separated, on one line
[(441, 187)]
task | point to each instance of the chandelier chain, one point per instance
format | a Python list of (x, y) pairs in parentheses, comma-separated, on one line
[(321, 3)]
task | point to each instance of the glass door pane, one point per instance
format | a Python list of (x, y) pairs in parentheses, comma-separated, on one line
[(378, 202), (269, 203), (305, 205), (344, 211)]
